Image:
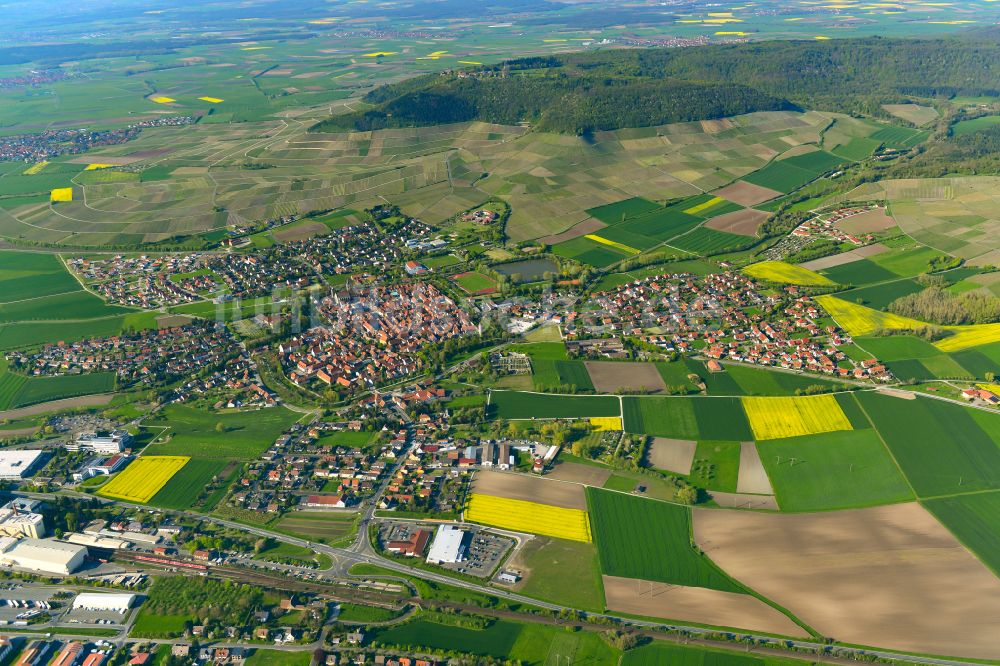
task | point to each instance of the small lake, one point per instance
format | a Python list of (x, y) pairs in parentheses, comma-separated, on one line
[(530, 270)]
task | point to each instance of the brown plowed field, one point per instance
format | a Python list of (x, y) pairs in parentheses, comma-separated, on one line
[(531, 489), (888, 576)]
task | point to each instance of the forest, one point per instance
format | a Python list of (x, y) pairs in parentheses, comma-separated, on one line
[(605, 90)]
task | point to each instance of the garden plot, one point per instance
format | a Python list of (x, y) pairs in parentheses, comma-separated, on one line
[(612, 377), (531, 489), (875, 576), (695, 604)]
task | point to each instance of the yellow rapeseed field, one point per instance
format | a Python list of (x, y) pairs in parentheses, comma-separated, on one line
[(212, 100), (779, 271), (143, 478), (704, 206), (602, 423), (160, 99), (95, 167), (61, 194), (775, 418), (859, 320), (377, 54), (35, 168), (531, 517), (611, 243)]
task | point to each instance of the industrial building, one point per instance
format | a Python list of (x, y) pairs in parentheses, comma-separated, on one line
[(97, 601), (17, 465), (42, 555), (448, 547), (102, 442)]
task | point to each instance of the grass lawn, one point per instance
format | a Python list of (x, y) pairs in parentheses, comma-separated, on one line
[(563, 572), (834, 470), (279, 658), (355, 439), (152, 625), (635, 535), (193, 432), (357, 613)]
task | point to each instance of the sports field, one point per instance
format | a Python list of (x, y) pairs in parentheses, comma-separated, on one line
[(143, 478), (778, 417), (530, 517)]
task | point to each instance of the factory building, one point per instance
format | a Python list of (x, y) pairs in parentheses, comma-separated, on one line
[(17, 465), (97, 601), (42, 555)]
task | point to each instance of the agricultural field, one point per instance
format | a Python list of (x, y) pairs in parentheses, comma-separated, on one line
[(143, 478), (913, 113), (696, 604), (779, 271), (552, 374), (631, 531), (182, 490), (519, 405), (777, 418), (836, 470), (529, 517), (530, 489), (615, 377), (658, 654), (942, 448), (975, 520), (839, 572), (328, 528), (29, 275)]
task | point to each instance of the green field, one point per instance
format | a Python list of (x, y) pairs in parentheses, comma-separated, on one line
[(716, 466), (529, 643), (519, 405), (974, 125), (184, 487), (836, 470), (262, 657), (193, 432), (975, 520), (879, 296), (349, 612), (781, 176), (33, 390), (552, 375), (758, 381), (860, 272), (650, 540), (29, 275), (660, 417), (670, 654), (940, 447), (563, 572), (900, 137), (721, 419), (32, 334), (73, 305), (704, 241), (622, 210)]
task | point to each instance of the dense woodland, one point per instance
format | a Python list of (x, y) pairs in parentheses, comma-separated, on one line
[(940, 307), (605, 90)]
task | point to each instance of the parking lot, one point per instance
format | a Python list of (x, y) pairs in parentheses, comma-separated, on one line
[(484, 551)]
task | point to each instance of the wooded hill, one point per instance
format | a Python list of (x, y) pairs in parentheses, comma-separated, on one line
[(605, 90)]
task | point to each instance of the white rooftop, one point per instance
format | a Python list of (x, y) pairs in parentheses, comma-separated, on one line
[(447, 546), (17, 463)]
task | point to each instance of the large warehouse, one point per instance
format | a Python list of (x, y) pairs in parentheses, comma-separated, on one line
[(96, 601), (42, 555), (448, 546), (17, 465)]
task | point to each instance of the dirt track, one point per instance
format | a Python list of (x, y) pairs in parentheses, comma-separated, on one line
[(531, 489), (695, 604), (888, 576)]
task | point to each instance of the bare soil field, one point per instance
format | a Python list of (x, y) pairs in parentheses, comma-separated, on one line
[(746, 194), (531, 489), (588, 226), (170, 321), (745, 501), (914, 113), (104, 159), (868, 222), (96, 400), (588, 475), (695, 604), (609, 376), (743, 222), (878, 576), (673, 455), (845, 257), (753, 478)]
